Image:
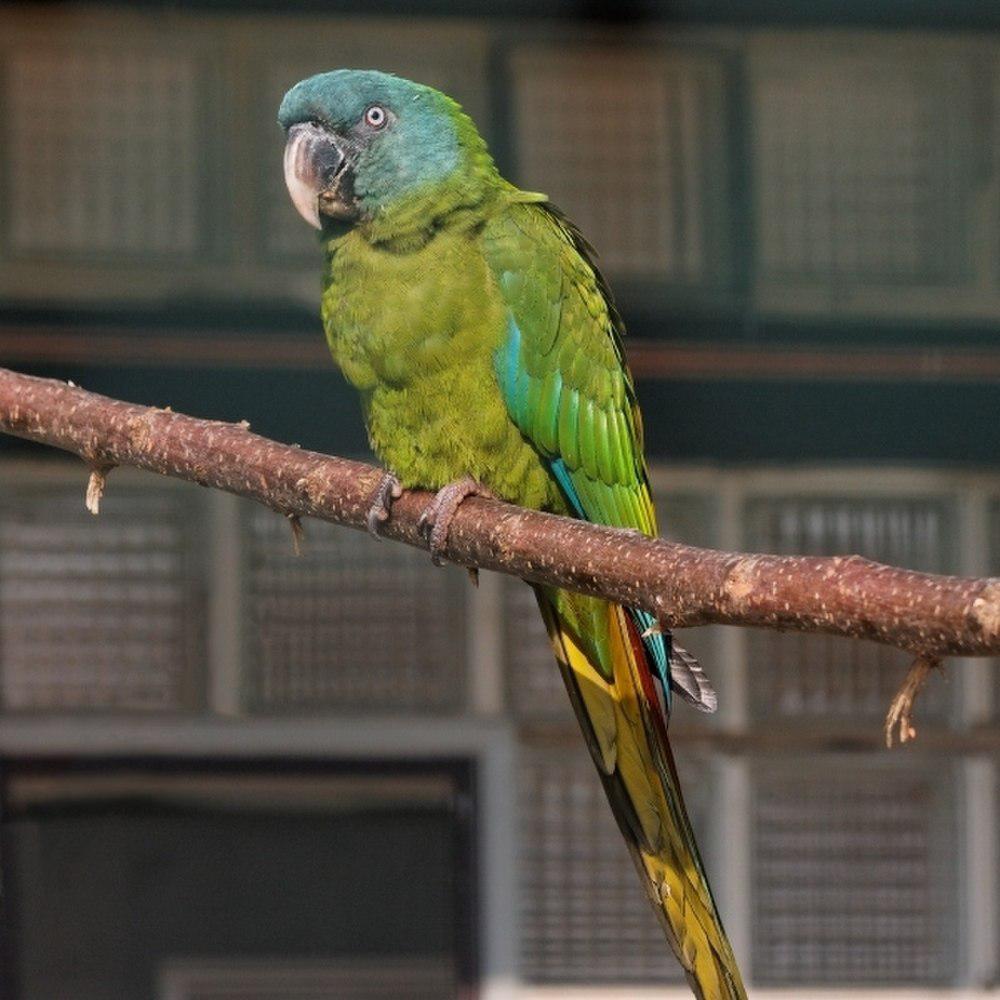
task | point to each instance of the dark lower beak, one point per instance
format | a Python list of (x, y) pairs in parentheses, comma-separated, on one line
[(318, 175)]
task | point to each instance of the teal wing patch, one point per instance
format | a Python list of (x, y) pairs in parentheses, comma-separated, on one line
[(561, 368), (562, 374)]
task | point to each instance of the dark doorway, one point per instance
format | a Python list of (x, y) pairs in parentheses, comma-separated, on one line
[(180, 882)]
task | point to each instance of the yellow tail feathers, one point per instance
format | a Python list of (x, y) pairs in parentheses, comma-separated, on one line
[(624, 728)]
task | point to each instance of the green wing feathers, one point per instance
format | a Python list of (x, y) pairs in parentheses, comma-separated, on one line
[(563, 378), (561, 368)]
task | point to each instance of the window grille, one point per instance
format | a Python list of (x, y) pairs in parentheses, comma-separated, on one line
[(861, 157), (103, 151), (642, 198), (825, 677), (585, 917), (99, 612), (854, 872), (535, 686), (350, 623)]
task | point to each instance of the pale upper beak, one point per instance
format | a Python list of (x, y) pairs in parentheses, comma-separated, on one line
[(315, 172)]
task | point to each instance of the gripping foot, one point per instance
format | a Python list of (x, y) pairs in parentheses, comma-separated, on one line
[(389, 488), (436, 519)]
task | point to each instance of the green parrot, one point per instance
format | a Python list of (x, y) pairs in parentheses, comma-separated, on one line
[(472, 319)]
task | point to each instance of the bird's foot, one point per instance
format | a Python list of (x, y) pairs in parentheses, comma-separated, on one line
[(389, 488), (435, 521)]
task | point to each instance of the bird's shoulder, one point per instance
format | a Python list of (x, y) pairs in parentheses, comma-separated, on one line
[(561, 367), (551, 283)]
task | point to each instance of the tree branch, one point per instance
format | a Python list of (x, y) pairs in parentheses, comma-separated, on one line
[(930, 616)]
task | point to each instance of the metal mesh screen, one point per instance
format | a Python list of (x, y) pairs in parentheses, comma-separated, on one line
[(853, 873), (800, 676), (584, 915), (534, 685), (350, 623), (640, 199), (103, 153), (100, 612), (859, 162)]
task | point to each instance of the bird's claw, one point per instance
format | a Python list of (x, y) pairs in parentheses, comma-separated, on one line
[(435, 521), (389, 488)]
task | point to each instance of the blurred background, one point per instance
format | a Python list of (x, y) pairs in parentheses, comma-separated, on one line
[(227, 772)]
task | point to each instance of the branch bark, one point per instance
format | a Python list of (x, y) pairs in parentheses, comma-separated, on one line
[(928, 615)]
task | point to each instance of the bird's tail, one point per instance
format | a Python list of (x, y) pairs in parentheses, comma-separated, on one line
[(605, 667)]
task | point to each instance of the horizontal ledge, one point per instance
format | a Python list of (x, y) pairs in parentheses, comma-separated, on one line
[(649, 359)]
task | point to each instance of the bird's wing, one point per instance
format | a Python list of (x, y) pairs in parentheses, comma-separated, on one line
[(563, 376), (561, 366)]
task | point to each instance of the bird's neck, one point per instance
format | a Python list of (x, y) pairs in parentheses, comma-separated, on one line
[(460, 201)]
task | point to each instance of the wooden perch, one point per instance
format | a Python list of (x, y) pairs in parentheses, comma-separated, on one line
[(929, 616)]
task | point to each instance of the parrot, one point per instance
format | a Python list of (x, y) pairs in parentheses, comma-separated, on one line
[(487, 350)]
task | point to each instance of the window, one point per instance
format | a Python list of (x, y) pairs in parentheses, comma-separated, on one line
[(623, 141), (834, 865), (350, 624), (104, 150), (823, 678), (854, 874), (100, 613)]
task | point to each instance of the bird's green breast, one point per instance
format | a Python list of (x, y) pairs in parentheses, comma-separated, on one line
[(415, 332)]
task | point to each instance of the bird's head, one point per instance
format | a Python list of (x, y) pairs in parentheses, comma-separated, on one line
[(360, 142)]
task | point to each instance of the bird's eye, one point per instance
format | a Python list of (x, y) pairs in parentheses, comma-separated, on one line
[(375, 117)]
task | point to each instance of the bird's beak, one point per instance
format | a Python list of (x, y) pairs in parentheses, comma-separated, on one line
[(318, 174)]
